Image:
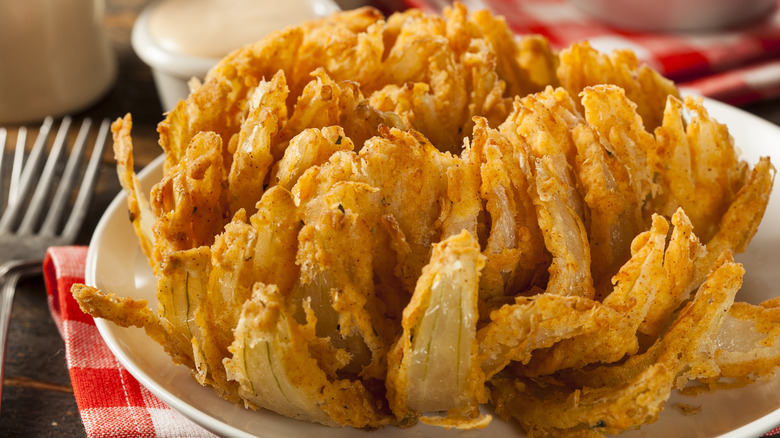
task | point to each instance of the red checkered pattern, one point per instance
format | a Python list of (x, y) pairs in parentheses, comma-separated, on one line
[(111, 402), (737, 66)]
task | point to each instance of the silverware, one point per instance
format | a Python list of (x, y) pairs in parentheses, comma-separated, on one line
[(25, 234)]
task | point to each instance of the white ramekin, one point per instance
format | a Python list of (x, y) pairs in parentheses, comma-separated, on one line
[(173, 71)]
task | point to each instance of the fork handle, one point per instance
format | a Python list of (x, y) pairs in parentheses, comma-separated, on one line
[(10, 273)]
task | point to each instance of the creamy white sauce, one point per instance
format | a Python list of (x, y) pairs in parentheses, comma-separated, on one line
[(213, 28)]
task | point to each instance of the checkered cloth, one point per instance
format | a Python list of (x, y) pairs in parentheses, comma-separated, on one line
[(111, 402), (736, 66)]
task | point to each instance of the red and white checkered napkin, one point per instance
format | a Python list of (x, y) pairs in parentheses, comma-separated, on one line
[(737, 66), (111, 402)]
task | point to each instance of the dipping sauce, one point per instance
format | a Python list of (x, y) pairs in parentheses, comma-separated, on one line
[(213, 28)]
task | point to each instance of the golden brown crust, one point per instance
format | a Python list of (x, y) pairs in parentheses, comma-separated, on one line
[(338, 190)]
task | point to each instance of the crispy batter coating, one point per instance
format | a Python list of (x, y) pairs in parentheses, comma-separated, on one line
[(581, 66), (368, 221), (614, 398), (137, 203)]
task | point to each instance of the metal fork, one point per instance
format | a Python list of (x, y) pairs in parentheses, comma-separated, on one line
[(24, 234)]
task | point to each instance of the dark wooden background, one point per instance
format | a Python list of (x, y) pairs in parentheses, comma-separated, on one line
[(37, 396)]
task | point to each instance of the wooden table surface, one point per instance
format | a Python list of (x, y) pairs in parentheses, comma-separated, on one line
[(37, 396)]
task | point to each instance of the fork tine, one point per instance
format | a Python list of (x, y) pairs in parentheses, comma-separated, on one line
[(49, 227), (87, 185), (16, 172), (45, 181), (32, 166), (27, 174)]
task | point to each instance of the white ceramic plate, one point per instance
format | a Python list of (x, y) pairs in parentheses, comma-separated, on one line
[(116, 264)]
